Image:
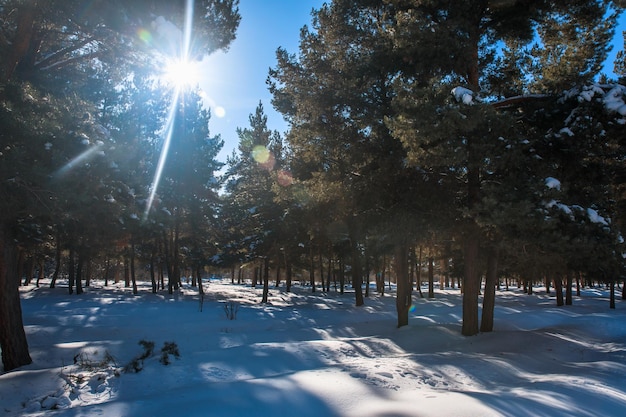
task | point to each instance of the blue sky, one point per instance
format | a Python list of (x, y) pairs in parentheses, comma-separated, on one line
[(235, 80)]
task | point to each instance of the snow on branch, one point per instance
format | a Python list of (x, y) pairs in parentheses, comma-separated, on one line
[(463, 95)]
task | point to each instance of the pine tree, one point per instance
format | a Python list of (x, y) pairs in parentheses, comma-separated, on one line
[(52, 55)]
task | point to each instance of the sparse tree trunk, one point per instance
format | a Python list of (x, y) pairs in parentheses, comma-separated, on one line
[(71, 271), (558, 288), (312, 269), (403, 296), (342, 276), (288, 275), (42, 273), (357, 279), (79, 272), (153, 278), (489, 298), (266, 279), (13, 341), (133, 277), (568, 288), (198, 272), (107, 270), (418, 284), (431, 277), (126, 272), (471, 284), (57, 262), (612, 296)]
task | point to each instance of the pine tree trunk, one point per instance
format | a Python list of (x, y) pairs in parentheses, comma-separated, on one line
[(431, 277), (71, 271), (79, 273), (266, 280), (612, 297), (357, 281), (133, 278), (198, 273), (57, 262), (41, 275), (12, 335), (288, 276), (489, 299), (312, 269), (558, 288), (342, 276), (403, 296), (471, 284), (568, 288)]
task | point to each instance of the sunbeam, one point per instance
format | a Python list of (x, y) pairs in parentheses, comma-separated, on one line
[(179, 84)]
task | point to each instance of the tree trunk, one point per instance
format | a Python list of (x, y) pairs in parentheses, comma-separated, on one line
[(471, 286), (107, 270), (612, 297), (133, 278), (418, 279), (79, 273), (431, 277), (357, 279), (20, 43), (57, 261), (198, 273), (489, 299), (312, 269), (71, 271), (41, 275), (329, 273), (558, 288), (126, 272), (568, 288), (403, 293), (288, 275), (153, 278), (12, 335), (266, 279), (342, 276)]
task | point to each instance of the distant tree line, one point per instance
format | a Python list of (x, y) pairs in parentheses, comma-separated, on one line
[(474, 137)]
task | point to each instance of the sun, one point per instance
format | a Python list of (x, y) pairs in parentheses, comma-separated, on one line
[(182, 73)]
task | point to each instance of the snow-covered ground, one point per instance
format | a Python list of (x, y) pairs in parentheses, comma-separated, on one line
[(315, 355)]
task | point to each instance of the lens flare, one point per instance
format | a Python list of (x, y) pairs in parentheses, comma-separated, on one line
[(144, 35), (261, 154), (169, 128)]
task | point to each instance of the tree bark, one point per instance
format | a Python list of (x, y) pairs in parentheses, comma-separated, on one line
[(403, 296), (431, 276), (471, 286), (357, 280), (12, 335), (21, 42), (568, 288), (558, 289), (612, 297), (266, 279), (489, 298)]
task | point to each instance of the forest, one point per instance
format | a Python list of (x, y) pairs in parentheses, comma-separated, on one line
[(478, 139)]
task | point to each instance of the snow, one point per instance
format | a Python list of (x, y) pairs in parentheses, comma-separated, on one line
[(594, 217), (315, 354), (552, 182), (463, 95)]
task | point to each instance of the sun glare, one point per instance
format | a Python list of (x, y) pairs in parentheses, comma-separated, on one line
[(182, 73)]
